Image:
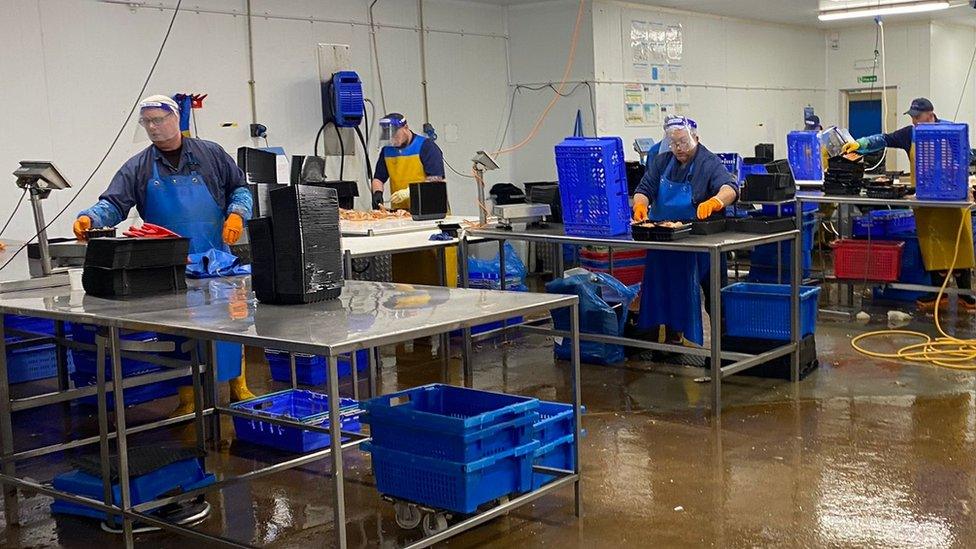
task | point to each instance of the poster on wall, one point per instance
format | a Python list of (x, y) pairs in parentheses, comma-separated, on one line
[(633, 104)]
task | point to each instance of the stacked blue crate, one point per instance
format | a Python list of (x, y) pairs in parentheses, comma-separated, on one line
[(37, 361), (942, 156), (593, 186)]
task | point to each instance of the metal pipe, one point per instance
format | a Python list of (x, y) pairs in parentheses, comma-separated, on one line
[(376, 54), (715, 319), (125, 496), (10, 505), (574, 360), (616, 340), (250, 65), (45, 251), (423, 60), (335, 436)]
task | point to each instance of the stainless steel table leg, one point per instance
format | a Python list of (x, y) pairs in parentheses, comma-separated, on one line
[(103, 444), (715, 319), (467, 366), (61, 353), (336, 445), (372, 372), (444, 340), (795, 282), (577, 404), (214, 391), (120, 437), (10, 505), (502, 281), (293, 370), (557, 260), (355, 374), (347, 264), (198, 420)]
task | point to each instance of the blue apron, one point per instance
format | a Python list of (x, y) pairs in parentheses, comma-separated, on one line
[(184, 205), (671, 294)]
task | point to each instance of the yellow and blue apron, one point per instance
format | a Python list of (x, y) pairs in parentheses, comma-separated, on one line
[(405, 167), (670, 293), (184, 205)]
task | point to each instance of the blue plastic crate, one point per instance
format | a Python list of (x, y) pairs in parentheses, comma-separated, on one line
[(750, 169), (732, 163), (131, 395), (593, 186), (449, 485), (311, 369), (85, 360), (180, 476), (452, 423), (803, 154), (30, 324), (788, 210), (942, 161), (558, 454), (763, 310), (295, 404), (555, 421), (884, 224), (762, 259), (34, 363), (912, 272)]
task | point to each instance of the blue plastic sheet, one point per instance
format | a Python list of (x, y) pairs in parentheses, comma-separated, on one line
[(483, 273), (596, 292)]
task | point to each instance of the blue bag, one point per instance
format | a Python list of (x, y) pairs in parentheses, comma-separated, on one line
[(596, 291)]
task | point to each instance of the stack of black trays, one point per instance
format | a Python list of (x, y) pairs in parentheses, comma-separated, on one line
[(768, 187), (843, 177), (765, 151), (547, 194), (128, 267), (297, 253)]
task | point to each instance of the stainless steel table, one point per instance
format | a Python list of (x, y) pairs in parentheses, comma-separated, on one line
[(714, 245), (368, 314), (845, 202)]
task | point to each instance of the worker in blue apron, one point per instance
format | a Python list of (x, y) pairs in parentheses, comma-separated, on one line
[(684, 182), (190, 186), (936, 227)]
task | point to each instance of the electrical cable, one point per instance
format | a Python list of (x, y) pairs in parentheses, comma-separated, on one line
[(13, 213), (315, 148), (562, 84), (879, 34), (111, 146), (965, 82), (342, 152), (448, 164)]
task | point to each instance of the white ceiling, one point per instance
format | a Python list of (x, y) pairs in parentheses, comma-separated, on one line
[(793, 12)]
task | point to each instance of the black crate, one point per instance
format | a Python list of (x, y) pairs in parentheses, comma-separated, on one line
[(709, 226), (658, 234), (137, 253), (259, 233), (765, 150), (110, 283), (765, 225), (768, 187), (307, 244), (505, 193), (777, 368), (428, 200), (547, 194), (347, 191)]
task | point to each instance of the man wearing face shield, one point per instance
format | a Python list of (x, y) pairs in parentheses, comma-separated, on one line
[(405, 158), (684, 182), (190, 186)]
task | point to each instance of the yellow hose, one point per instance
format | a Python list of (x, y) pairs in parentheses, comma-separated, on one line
[(946, 351)]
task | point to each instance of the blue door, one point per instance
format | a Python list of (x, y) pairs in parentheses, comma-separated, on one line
[(864, 118)]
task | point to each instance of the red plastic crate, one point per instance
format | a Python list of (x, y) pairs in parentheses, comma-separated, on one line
[(627, 275), (877, 260), (618, 255)]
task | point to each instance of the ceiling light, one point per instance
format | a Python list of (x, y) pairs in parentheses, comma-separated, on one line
[(889, 9)]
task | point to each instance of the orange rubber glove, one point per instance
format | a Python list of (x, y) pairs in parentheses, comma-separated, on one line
[(233, 228), (82, 224), (709, 207), (640, 212)]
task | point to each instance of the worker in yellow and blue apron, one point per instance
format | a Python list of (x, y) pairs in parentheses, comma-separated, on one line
[(684, 182), (937, 227), (405, 158), (191, 187)]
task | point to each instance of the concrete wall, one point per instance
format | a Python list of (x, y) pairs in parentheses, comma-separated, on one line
[(72, 69)]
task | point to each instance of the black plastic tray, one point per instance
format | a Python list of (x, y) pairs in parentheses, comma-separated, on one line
[(104, 232), (137, 253), (709, 226), (102, 282), (765, 225), (658, 234), (885, 191)]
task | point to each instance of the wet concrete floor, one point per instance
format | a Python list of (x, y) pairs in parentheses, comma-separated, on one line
[(862, 453)]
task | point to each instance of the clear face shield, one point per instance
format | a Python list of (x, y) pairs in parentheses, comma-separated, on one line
[(680, 135), (388, 130)]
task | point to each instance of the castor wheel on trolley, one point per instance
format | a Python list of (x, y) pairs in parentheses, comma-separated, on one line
[(408, 516), (434, 523)]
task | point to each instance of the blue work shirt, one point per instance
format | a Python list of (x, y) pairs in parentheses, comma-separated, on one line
[(224, 180), (707, 176), (431, 157)]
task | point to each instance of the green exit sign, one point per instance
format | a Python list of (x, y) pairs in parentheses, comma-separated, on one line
[(869, 79)]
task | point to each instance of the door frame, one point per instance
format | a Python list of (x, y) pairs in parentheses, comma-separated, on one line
[(889, 124)]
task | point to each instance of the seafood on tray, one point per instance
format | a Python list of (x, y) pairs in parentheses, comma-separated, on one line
[(663, 224), (372, 215)]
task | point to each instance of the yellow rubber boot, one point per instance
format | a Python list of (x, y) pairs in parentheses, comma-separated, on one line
[(238, 385), (186, 405)]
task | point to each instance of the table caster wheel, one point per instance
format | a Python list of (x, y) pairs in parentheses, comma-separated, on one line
[(407, 516), (434, 523)]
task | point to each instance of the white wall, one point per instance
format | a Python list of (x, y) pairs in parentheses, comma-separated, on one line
[(540, 40), (72, 69), (748, 81), (952, 51)]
